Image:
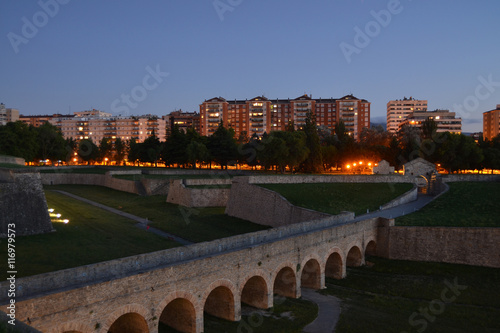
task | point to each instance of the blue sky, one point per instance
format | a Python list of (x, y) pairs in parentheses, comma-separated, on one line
[(88, 54)]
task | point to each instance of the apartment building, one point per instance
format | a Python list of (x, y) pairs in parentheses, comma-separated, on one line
[(8, 115), (261, 115), (183, 120), (398, 110), (491, 123), (446, 121)]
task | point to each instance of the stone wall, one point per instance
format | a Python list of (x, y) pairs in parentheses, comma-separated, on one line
[(293, 179), (470, 246), (78, 300), (179, 194), (93, 179), (22, 203), (404, 198), (259, 205), (12, 160), (470, 178), (119, 268)]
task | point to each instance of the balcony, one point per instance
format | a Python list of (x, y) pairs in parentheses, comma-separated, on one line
[(302, 104)]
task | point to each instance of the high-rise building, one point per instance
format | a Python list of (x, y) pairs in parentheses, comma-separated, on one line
[(183, 120), (491, 123), (260, 114), (8, 115), (444, 119), (398, 110)]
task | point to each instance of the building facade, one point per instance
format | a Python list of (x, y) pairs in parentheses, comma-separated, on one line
[(444, 119), (491, 123), (398, 110), (183, 120), (8, 115), (261, 115), (97, 125)]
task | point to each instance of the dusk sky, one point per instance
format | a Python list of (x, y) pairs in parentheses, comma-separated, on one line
[(87, 54)]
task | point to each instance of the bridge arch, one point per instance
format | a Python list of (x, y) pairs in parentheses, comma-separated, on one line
[(181, 311), (335, 264), (221, 300), (128, 318), (371, 248), (285, 280), (255, 290), (354, 257), (310, 273), (72, 327)]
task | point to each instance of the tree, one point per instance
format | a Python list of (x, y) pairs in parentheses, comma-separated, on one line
[(460, 152), (329, 154), (105, 148), (429, 128), (18, 139), (410, 141), (88, 151), (51, 144), (313, 162), (275, 152), (174, 149), (491, 158), (134, 150), (120, 148), (222, 146), (150, 150), (197, 152)]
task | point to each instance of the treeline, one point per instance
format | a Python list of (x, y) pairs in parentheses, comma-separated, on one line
[(311, 149)]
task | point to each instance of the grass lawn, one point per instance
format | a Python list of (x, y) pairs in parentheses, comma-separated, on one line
[(13, 166), (332, 198), (92, 235), (468, 204), (388, 296), (287, 316), (194, 224)]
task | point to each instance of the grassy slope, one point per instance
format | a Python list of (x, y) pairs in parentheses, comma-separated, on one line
[(332, 198), (464, 205), (195, 224), (92, 235), (383, 297)]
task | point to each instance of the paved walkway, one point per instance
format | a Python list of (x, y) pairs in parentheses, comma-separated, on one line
[(400, 210), (142, 223), (328, 311)]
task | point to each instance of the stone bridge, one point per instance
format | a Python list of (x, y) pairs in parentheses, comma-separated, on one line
[(177, 286)]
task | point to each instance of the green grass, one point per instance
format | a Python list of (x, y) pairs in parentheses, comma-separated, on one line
[(287, 316), (92, 235), (333, 198), (13, 166), (382, 298), (194, 224), (468, 204)]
